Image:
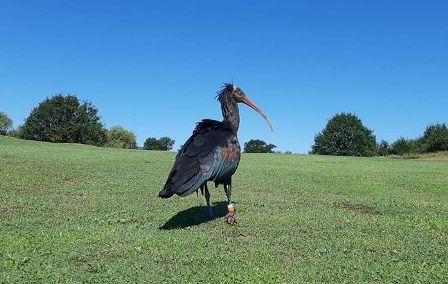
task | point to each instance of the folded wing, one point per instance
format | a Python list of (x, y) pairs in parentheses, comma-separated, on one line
[(197, 160)]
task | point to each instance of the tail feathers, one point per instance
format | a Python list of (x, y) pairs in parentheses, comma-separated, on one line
[(166, 193)]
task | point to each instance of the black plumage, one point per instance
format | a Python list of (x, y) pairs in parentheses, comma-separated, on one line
[(212, 153)]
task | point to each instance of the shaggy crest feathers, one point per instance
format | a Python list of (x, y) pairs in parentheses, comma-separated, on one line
[(226, 90)]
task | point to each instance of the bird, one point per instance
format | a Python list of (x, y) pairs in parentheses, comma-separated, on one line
[(212, 153)]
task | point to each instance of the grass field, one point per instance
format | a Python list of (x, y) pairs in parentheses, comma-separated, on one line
[(76, 213)]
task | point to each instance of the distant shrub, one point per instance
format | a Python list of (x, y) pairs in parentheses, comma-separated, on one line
[(118, 137), (5, 123), (64, 119), (258, 146), (161, 144), (345, 135), (435, 138), (383, 148), (407, 146), (15, 132)]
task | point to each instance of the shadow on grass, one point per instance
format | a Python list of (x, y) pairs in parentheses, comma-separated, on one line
[(194, 216)]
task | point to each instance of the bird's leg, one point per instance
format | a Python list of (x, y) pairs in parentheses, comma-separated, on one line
[(230, 217), (204, 189)]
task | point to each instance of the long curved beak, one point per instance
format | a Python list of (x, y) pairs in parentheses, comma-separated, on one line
[(251, 104)]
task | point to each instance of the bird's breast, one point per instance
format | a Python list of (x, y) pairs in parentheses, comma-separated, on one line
[(228, 159), (230, 153), (232, 150)]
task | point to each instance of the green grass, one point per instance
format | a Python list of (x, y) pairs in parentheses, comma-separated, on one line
[(76, 213)]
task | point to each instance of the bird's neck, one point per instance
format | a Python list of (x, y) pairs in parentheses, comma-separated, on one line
[(231, 114)]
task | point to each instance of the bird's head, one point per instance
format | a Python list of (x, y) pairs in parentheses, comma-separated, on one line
[(230, 92)]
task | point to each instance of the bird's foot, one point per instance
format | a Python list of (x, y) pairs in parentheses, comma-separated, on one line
[(209, 212), (231, 218)]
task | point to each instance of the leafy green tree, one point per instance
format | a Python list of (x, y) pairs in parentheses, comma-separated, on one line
[(401, 146), (5, 123), (345, 135), (118, 137), (435, 138), (161, 144), (407, 146), (151, 143), (383, 148), (258, 146), (166, 143), (63, 119)]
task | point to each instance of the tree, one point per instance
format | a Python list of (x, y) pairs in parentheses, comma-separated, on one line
[(406, 146), (345, 135), (151, 143), (5, 123), (63, 119), (258, 146), (401, 146), (383, 148), (435, 138), (162, 144), (15, 132), (118, 137)]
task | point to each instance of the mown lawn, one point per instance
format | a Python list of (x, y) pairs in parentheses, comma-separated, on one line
[(76, 213)]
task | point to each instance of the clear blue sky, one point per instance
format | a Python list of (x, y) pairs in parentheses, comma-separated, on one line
[(154, 66)]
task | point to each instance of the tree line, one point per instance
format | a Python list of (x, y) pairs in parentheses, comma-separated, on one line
[(64, 119), (345, 135)]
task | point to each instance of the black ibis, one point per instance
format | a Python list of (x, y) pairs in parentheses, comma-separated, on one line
[(212, 153)]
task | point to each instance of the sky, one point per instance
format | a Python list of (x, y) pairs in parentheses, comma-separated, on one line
[(154, 67)]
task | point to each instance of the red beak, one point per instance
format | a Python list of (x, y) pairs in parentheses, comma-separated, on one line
[(251, 104)]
